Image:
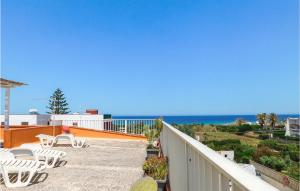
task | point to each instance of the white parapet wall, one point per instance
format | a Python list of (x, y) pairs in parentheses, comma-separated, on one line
[(194, 166), (80, 120), (27, 119)]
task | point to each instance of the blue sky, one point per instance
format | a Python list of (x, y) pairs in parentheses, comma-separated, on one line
[(153, 57)]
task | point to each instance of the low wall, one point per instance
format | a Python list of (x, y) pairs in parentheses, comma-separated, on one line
[(279, 177), (83, 132), (14, 137), (1, 134)]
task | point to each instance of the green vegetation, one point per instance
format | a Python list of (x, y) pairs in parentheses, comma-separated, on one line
[(224, 135), (240, 129), (261, 118), (156, 167), (151, 134), (58, 103), (272, 119), (252, 142), (159, 124), (242, 152), (273, 162)]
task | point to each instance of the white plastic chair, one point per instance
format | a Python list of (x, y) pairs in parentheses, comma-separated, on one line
[(46, 140), (51, 157), (75, 142), (25, 170), (47, 157), (49, 141)]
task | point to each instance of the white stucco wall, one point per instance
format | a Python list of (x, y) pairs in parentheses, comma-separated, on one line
[(77, 117), (85, 120), (290, 123), (31, 119), (227, 154)]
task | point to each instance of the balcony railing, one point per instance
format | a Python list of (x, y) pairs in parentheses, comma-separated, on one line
[(128, 126), (195, 167)]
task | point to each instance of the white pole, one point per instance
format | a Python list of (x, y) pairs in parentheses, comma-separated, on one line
[(6, 109)]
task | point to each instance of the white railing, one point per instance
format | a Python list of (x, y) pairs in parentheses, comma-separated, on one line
[(128, 126), (195, 167)]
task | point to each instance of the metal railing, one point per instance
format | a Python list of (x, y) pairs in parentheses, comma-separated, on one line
[(128, 126), (195, 167)]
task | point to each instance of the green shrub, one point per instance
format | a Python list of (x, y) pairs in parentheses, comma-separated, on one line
[(226, 144), (187, 130), (286, 149), (269, 143), (264, 136), (227, 128), (273, 162), (156, 167), (240, 129), (159, 125), (293, 171), (280, 134), (263, 151), (150, 134), (243, 153), (244, 128), (144, 184)]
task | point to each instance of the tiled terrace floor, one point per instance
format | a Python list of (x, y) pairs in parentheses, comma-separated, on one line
[(106, 165)]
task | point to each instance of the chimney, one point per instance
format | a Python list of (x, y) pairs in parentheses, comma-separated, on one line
[(92, 111)]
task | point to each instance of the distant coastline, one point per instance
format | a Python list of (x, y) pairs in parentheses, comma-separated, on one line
[(205, 119)]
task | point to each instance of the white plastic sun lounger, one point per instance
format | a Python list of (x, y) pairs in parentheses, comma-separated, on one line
[(46, 140), (51, 157), (25, 170), (49, 141), (75, 142), (47, 157)]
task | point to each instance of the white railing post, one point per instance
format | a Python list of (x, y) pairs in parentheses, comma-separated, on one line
[(125, 130), (128, 126)]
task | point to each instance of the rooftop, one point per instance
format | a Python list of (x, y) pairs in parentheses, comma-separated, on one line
[(10, 83), (105, 165)]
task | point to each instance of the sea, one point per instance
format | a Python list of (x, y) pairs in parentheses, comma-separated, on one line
[(205, 119)]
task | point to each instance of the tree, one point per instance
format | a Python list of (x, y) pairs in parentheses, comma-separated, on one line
[(58, 103), (261, 118), (272, 118)]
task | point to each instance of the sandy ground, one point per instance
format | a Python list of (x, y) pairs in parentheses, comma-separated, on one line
[(106, 165)]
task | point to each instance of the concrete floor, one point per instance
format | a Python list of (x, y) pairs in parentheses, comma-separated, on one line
[(106, 165)]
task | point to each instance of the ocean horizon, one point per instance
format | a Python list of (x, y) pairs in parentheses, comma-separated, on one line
[(203, 119)]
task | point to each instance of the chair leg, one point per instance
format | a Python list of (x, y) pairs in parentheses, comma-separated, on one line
[(19, 182), (51, 161)]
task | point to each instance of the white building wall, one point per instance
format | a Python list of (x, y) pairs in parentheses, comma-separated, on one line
[(43, 119), (85, 120), (30, 119), (292, 127)]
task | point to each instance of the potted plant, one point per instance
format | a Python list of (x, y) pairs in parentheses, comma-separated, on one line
[(153, 143), (157, 168), (153, 138)]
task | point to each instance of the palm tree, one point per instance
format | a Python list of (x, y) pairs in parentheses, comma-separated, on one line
[(261, 118), (273, 119)]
